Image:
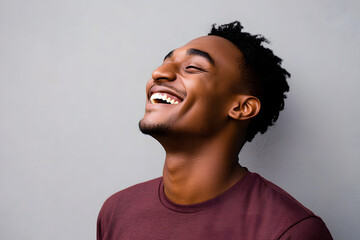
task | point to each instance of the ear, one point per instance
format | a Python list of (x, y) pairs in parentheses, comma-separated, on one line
[(244, 107)]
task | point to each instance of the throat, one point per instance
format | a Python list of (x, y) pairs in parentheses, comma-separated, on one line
[(192, 182)]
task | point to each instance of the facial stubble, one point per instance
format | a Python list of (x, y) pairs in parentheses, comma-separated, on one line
[(152, 129)]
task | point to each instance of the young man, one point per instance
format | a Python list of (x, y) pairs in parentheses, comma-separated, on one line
[(203, 103)]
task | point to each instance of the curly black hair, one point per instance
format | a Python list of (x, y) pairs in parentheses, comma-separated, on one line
[(263, 75)]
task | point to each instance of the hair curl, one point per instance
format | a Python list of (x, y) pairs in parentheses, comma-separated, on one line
[(263, 75)]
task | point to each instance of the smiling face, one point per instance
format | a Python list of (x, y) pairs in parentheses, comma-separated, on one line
[(192, 92)]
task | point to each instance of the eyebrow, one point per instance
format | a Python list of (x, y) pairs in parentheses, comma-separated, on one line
[(169, 55), (197, 52), (194, 51)]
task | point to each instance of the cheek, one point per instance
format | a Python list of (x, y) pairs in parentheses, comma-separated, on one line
[(202, 110)]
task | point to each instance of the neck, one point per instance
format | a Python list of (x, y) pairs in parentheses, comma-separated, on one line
[(196, 172)]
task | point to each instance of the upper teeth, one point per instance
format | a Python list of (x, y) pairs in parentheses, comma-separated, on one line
[(163, 97)]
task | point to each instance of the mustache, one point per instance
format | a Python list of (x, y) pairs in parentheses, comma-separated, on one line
[(178, 91)]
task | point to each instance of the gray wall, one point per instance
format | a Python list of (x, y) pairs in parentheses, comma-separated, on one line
[(72, 84)]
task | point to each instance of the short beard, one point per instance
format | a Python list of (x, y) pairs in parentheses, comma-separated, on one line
[(154, 129)]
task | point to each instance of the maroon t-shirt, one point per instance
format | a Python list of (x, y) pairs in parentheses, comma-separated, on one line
[(253, 208)]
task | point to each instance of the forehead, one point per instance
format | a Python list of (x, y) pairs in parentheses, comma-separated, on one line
[(224, 52)]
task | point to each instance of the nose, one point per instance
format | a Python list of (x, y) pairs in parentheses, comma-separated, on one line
[(165, 72)]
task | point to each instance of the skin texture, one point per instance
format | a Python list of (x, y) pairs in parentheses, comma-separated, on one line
[(202, 134)]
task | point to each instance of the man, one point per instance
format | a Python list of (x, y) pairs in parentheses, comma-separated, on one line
[(203, 103)]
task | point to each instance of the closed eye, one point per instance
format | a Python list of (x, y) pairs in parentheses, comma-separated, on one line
[(194, 67)]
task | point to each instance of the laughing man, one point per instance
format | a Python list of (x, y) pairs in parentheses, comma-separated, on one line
[(207, 99)]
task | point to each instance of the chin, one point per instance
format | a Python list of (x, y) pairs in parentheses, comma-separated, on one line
[(153, 128)]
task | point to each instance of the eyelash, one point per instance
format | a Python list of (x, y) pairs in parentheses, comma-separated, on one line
[(197, 68)]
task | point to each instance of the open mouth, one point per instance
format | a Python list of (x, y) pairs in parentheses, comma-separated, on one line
[(163, 98)]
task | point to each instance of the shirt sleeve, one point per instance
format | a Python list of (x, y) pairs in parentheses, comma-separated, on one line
[(312, 228), (104, 218)]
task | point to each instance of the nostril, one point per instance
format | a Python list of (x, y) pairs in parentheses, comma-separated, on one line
[(164, 72)]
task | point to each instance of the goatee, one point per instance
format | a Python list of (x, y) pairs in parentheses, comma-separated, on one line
[(153, 129)]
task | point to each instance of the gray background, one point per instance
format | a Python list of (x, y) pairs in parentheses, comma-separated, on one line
[(72, 90)]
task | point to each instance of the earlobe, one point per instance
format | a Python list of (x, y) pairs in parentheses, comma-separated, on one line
[(245, 107)]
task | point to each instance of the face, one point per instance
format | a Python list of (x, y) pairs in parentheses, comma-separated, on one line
[(193, 89)]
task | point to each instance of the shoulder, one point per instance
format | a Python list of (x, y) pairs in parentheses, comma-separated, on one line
[(277, 206), (275, 199), (127, 202), (131, 195), (309, 228)]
